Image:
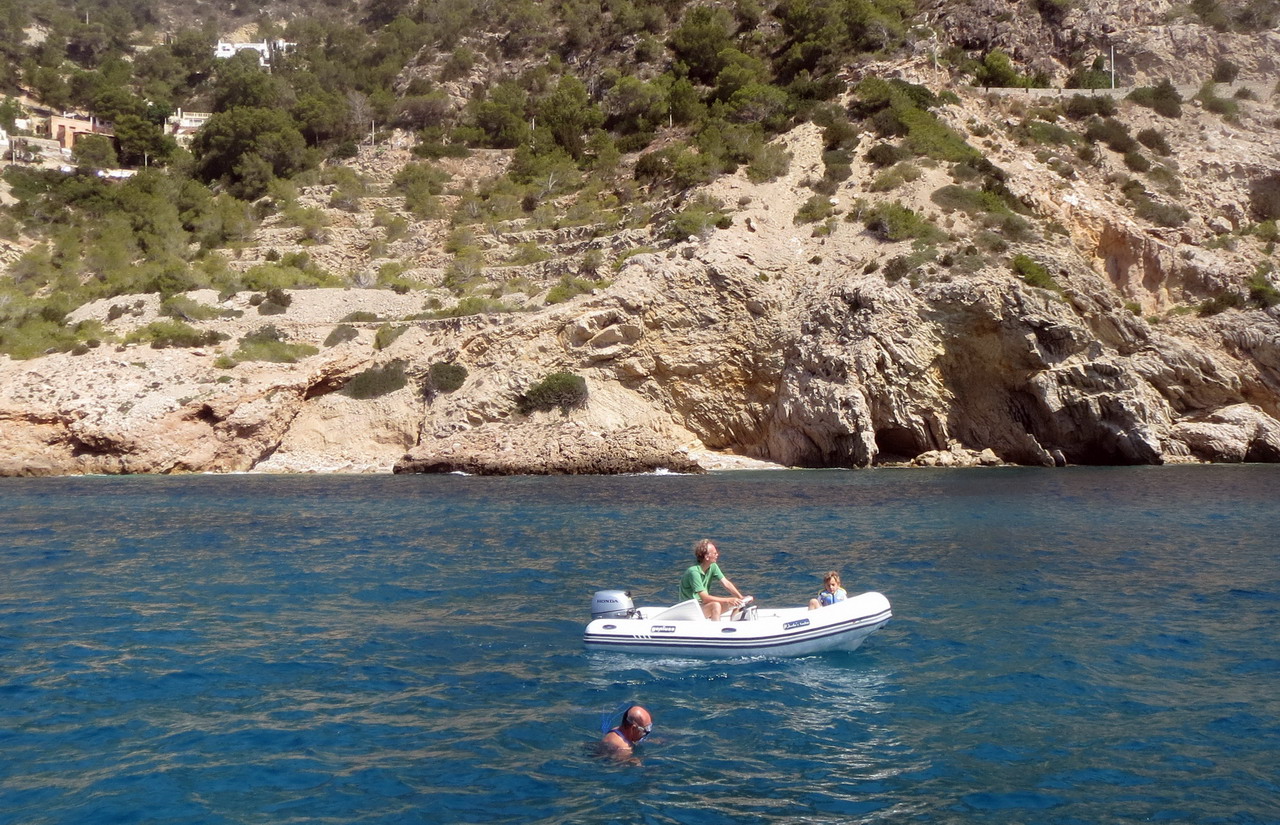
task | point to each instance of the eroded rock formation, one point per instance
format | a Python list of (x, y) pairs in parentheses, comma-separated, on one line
[(763, 341)]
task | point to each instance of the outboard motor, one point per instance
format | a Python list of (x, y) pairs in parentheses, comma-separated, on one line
[(612, 604)]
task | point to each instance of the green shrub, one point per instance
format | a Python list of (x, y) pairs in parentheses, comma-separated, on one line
[(892, 222), (396, 227), (897, 268), (187, 309), (1014, 227), (592, 261), (885, 154), (1224, 106), (275, 302), (1266, 231), (894, 177), (996, 69), (953, 197), (527, 253), (769, 163), (1212, 13), (472, 305), (268, 344), (1111, 132), (376, 381), (361, 316), (837, 165), (37, 332), (568, 288), (628, 254), (1166, 179), (1224, 71), (559, 389), (1163, 98), (894, 108), (1094, 77), (1262, 293), (697, 219), (311, 220), (1171, 215), (1050, 134), (816, 208), (420, 183), (930, 137), (1080, 107), (291, 272), (1154, 140), (391, 275), (1219, 303), (161, 334), (1136, 161), (386, 335), (341, 334), (1034, 273), (445, 377)]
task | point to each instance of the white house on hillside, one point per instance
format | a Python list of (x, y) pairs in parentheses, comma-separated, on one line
[(184, 125), (264, 49)]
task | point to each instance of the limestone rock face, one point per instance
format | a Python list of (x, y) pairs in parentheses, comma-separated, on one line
[(681, 356), (769, 341), (1238, 433), (548, 449), (1152, 42)]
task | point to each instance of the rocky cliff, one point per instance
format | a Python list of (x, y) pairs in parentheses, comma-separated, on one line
[(769, 341)]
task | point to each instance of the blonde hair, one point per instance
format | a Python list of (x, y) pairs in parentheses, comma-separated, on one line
[(701, 549), (831, 574)]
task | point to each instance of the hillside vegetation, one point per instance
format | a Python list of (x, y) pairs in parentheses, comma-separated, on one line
[(533, 128), (610, 237)]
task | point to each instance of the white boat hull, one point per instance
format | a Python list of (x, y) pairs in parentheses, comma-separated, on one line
[(796, 631)]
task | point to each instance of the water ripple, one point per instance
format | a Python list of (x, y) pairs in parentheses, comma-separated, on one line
[(1083, 645)]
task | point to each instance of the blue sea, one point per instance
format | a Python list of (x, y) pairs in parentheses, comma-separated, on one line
[(1079, 645)]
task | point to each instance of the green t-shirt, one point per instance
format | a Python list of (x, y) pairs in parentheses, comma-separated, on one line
[(695, 581)]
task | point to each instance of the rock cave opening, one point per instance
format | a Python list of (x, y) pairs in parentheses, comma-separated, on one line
[(896, 444)]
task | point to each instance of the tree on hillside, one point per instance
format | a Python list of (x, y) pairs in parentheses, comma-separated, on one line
[(239, 82), (501, 116), (142, 142), (49, 87), (194, 51), (88, 43), (382, 12), (10, 110), (633, 105), (817, 35), (324, 115), (245, 148), (95, 151), (704, 33), (569, 113)]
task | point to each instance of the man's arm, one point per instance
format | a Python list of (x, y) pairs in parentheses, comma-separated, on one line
[(704, 597)]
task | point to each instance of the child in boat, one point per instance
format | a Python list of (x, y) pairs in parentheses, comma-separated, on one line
[(831, 592)]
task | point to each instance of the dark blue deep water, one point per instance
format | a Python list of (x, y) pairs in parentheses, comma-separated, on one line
[(1069, 646)]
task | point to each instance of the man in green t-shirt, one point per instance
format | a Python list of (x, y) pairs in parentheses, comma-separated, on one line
[(698, 579)]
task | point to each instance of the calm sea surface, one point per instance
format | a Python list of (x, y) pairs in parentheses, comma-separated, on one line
[(1069, 646)]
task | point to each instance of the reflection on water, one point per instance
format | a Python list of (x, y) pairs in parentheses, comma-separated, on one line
[(1082, 645)]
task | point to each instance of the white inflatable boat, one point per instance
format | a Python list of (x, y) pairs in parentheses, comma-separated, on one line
[(681, 630)]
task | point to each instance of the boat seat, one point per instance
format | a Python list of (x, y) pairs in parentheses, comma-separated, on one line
[(686, 611)]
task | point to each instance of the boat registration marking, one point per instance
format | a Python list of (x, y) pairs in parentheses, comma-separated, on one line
[(795, 624)]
